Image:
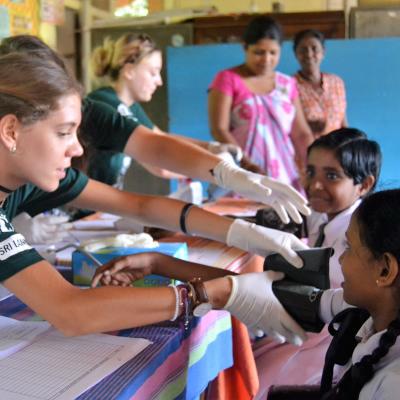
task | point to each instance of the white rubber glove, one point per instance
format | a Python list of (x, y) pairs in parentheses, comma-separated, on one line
[(42, 229), (284, 199), (217, 148), (253, 302), (264, 241)]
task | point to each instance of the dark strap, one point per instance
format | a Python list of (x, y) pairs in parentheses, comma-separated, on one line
[(182, 218), (343, 342), (303, 392), (321, 236)]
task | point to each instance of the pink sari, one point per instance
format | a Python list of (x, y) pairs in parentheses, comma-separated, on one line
[(261, 124)]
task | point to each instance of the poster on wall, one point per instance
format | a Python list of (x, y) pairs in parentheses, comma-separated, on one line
[(18, 17), (21, 24), (4, 22), (52, 11)]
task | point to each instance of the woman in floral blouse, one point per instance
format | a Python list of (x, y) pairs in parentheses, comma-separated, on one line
[(322, 95)]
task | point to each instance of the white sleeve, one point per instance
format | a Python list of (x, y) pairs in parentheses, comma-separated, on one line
[(331, 304), (382, 387)]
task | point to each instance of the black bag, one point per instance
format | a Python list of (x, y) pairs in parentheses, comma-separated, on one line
[(300, 290)]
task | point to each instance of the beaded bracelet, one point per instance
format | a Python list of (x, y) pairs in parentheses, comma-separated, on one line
[(177, 303), (186, 303)]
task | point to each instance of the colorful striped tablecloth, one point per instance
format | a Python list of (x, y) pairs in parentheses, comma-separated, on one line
[(178, 365)]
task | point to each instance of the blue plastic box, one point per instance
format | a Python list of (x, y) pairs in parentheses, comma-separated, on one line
[(83, 268)]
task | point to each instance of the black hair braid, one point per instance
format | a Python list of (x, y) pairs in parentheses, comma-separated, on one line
[(361, 372)]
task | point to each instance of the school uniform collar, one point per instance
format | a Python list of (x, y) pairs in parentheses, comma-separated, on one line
[(336, 224), (369, 341)]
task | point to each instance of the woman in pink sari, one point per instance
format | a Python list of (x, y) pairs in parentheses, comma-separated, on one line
[(258, 108)]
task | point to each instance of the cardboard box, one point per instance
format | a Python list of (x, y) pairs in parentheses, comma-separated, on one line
[(83, 268)]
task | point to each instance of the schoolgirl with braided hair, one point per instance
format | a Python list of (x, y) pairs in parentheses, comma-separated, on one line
[(371, 269)]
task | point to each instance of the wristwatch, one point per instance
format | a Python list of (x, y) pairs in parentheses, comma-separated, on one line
[(201, 303)]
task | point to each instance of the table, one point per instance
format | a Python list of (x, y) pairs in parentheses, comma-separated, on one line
[(179, 364)]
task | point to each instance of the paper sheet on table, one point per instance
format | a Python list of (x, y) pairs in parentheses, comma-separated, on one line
[(235, 207), (52, 366), (94, 225), (97, 221)]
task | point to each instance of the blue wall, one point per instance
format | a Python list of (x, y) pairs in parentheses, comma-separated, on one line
[(369, 67)]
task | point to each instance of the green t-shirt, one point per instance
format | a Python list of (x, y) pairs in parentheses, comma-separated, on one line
[(15, 253), (109, 165), (135, 112), (103, 128)]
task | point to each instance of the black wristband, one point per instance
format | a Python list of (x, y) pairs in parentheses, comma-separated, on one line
[(5, 190), (182, 218)]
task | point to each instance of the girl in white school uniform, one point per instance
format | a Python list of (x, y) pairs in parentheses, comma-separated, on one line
[(371, 270), (342, 167)]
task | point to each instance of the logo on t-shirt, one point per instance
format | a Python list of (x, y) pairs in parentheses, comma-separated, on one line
[(5, 225), (13, 245), (126, 112)]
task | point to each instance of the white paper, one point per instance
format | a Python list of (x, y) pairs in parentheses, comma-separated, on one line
[(56, 367), (104, 221), (14, 335), (96, 224), (4, 293)]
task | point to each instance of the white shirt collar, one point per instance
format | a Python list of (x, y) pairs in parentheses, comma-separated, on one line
[(336, 223), (369, 341)]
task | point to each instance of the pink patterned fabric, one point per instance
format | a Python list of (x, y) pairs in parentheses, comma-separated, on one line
[(261, 124)]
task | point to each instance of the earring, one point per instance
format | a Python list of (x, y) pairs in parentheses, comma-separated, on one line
[(377, 281), (13, 149)]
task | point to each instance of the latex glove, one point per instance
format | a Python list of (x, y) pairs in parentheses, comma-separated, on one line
[(42, 228), (235, 151), (253, 302), (264, 241), (284, 199)]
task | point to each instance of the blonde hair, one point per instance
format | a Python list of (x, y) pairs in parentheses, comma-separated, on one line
[(109, 58)]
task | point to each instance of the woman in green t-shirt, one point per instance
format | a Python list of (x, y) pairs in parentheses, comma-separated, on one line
[(133, 65), (39, 119)]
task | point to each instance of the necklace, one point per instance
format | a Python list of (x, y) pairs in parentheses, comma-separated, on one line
[(5, 190)]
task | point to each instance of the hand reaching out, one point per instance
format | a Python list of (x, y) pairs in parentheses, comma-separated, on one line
[(284, 199), (123, 271), (253, 302)]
